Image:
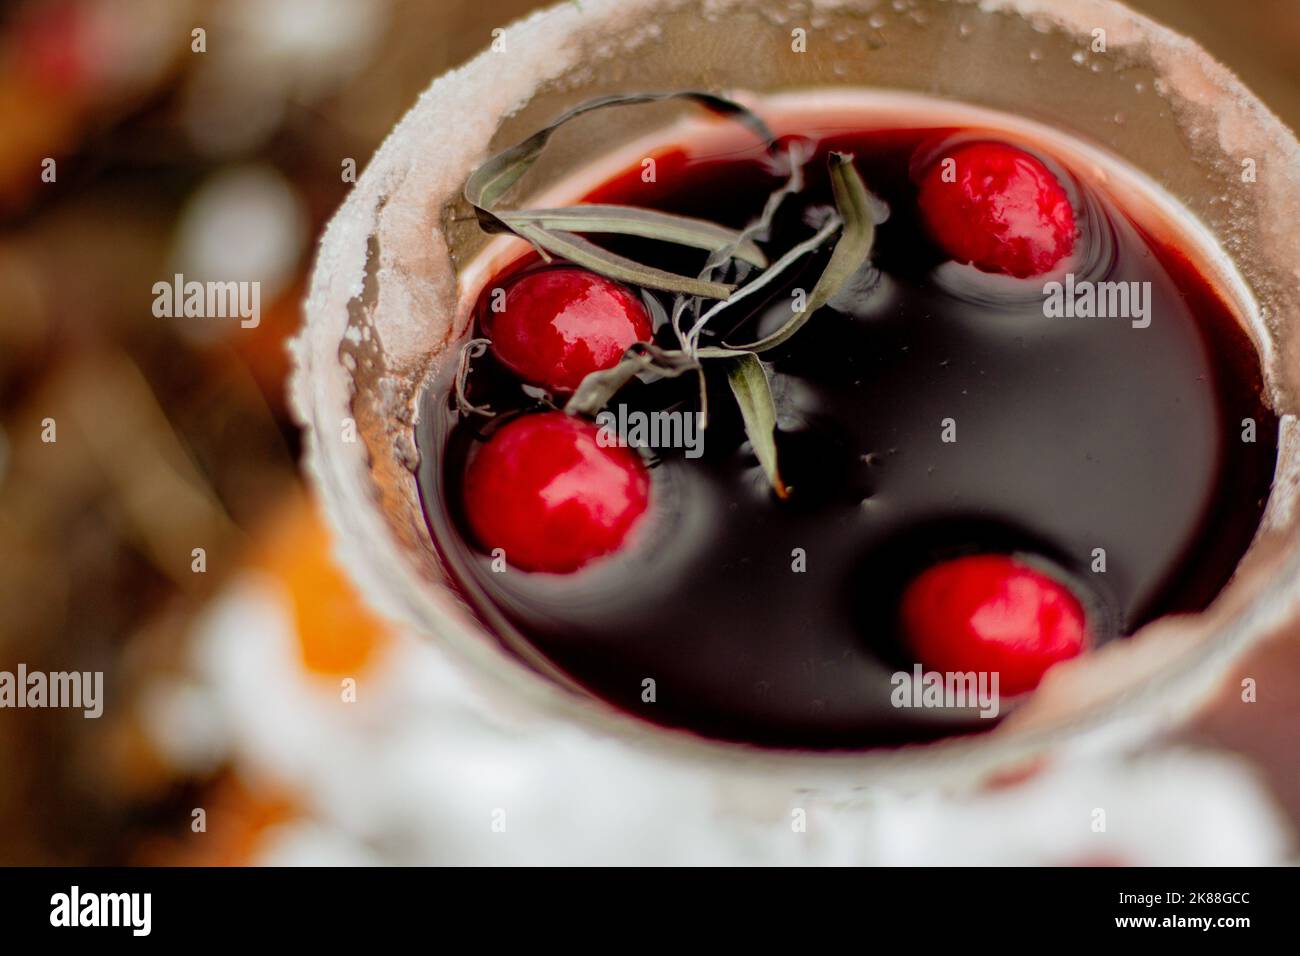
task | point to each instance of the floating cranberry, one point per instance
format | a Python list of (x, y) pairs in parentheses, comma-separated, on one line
[(992, 613), (543, 489), (1000, 208), (554, 326)]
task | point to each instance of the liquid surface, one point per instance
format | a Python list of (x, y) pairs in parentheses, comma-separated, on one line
[(1075, 439)]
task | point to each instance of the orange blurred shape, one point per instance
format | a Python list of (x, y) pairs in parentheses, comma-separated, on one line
[(337, 633), (237, 817)]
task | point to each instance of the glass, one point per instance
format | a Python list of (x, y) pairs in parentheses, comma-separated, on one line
[(395, 280)]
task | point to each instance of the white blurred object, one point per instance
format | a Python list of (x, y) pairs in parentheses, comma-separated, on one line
[(245, 224), (188, 730), (320, 41), (262, 57), (1164, 808), (309, 844)]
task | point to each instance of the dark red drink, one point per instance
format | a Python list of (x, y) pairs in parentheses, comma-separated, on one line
[(934, 412)]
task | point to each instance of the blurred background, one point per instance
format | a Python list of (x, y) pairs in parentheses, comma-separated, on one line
[(172, 436)]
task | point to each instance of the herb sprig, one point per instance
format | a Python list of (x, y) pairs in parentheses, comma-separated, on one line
[(558, 232)]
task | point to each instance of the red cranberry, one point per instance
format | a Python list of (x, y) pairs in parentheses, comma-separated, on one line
[(557, 325), (991, 613), (543, 489), (1004, 211)]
